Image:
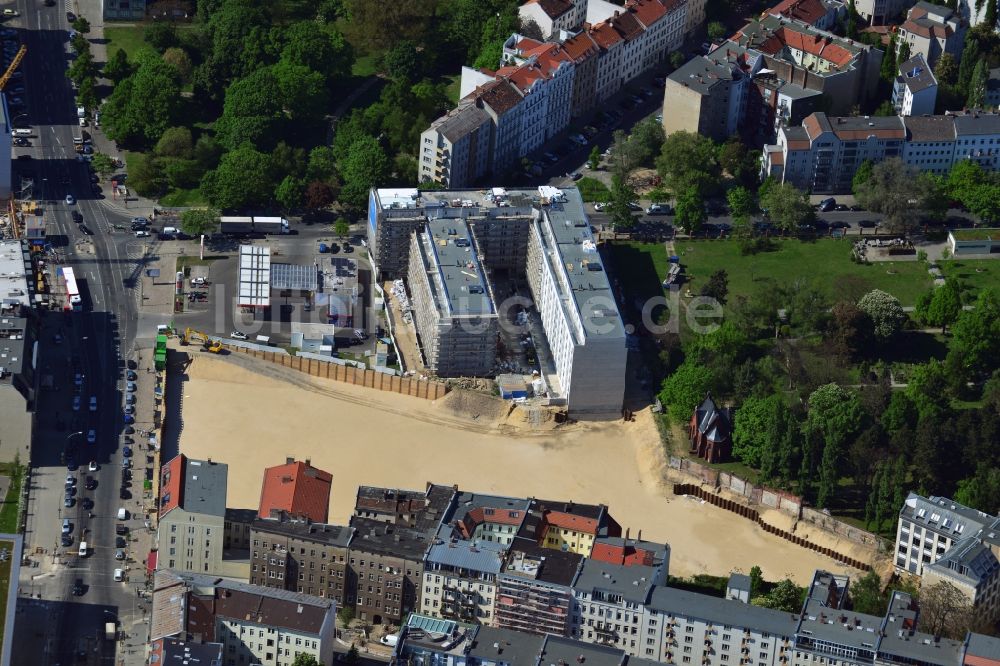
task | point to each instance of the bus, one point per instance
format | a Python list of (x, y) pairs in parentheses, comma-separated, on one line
[(72, 291)]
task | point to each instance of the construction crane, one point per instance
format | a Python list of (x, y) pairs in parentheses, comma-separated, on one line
[(209, 343), (14, 64)]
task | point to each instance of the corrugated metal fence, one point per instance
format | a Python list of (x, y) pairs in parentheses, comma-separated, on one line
[(419, 388)]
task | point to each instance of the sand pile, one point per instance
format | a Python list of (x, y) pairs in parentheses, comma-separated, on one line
[(252, 420)]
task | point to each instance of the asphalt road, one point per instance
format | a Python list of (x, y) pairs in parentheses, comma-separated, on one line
[(94, 344)]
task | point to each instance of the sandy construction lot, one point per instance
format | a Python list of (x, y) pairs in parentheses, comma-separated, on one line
[(252, 415)]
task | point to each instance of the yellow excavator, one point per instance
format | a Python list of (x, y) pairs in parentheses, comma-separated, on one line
[(208, 343)]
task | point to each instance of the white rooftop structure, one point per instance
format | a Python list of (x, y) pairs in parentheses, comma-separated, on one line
[(14, 267), (255, 276)]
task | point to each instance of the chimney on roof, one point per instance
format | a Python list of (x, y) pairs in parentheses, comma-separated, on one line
[(289, 460), (627, 529), (638, 537)]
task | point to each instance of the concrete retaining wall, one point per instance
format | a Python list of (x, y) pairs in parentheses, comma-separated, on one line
[(329, 369)]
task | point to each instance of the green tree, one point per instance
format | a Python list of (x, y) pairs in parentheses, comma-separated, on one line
[(787, 206), (252, 112), (175, 142), (977, 86), (341, 227), (364, 167), (83, 67), (752, 428), (888, 71), (180, 61), (618, 209), (378, 28), (79, 44), (242, 179), (322, 164), (716, 31), (867, 595), (117, 67), (144, 105), (756, 581), (785, 596), (81, 25), (290, 192), (86, 95), (896, 190), (741, 203), (305, 659), (303, 91), (145, 176), (318, 195), (946, 70), (684, 389), (161, 35), (945, 305), (496, 30), (967, 64), (594, 159), (982, 490), (887, 315), (103, 165), (717, 286), (646, 140), (983, 201), (688, 160), (834, 416), (964, 179), (690, 213), (975, 335), (851, 330), (403, 63), (199, 221), (320, 48)]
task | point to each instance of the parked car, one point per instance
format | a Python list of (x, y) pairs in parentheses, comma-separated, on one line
[(70, 200), (826, 205), (93, 403), (91, 436), (76, 403), (658, 209), (92, 467), (78, 588)]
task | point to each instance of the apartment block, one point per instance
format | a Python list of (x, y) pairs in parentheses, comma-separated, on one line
[(823, 153), (254, 624), (706, 95), (535, 589), (453, 305), (462, 564), (568, 526), (933, 30), (506, 114), (609, 602), (190, 535), (548, 227), (388, 563), (174, 652), (914, 92), (553, 16), (298, 489), (882, 12), (298, 555), (971, 566), (404, 507), (625, 551)]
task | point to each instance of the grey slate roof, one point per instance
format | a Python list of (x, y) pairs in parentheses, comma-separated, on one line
[(701, 74), (375, 536), (674, 601), (504, 645), (953, 519), (930, 128), (205, 487), (987, 647), (901, 643), (634, 583), (331, 535), (969, 560), (839, 626), (480, 556), (916, 74), (461, 122), (971, 124), (739, 582), (559, 651)]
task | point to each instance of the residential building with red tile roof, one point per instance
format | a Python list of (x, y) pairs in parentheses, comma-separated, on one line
[(628, 552), (820, 14), (298, 489), (585, 54), (933, 30), (551, 16), (665, 24), (568, 526)]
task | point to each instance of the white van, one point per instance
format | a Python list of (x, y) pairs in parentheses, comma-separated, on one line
[(122, 514), (170, 231), (21, 131), (390, 640), (119, 575), (83, 549)]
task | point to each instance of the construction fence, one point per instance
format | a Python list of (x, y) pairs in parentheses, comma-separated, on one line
[(785, 502), (752, 514), (412, 386)]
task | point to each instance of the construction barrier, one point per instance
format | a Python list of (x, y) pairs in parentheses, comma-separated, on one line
[(412, 386), (754, 515)]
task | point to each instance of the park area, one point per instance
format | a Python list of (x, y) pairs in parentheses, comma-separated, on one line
[(826, 263)]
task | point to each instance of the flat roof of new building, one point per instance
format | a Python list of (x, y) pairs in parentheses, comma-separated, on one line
[(529, 560), (496, 645), (560, 650), (701, 74), (987, 647), (15, 264), (455, 270), (12, 347), (255, 276), (479, 556), (901, 640), (338, 276), (294, 277), (581, 265)]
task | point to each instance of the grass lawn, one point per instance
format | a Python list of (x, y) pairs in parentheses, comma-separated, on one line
[(5, 583), (975, 274), (8, 509), (364, 66), (185, 261), (592, 189), (183, 198), (454, 87), (131, 39), (824, 262)]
